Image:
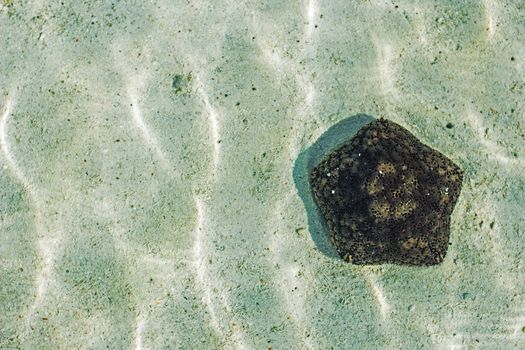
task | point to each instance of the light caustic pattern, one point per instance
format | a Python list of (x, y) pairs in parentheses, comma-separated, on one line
[(47, 242), (212, 294), (323, 57)]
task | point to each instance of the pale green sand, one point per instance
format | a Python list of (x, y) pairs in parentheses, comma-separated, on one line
[(152, 189)]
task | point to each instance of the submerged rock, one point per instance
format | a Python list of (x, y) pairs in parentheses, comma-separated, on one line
[(387, 198)]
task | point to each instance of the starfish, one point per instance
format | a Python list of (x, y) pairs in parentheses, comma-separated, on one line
[(387, 198)]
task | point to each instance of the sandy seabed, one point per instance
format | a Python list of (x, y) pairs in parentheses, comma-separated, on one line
[(152, 175)]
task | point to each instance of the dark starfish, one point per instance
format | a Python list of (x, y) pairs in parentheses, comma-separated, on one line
[(387, 198)]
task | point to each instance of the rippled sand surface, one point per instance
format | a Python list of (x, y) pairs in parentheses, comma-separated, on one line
[(153, 193)]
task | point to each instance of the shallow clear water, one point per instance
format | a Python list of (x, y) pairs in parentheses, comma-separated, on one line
[(151, 184)]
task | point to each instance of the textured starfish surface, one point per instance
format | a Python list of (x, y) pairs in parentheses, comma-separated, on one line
[(387, 198)]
